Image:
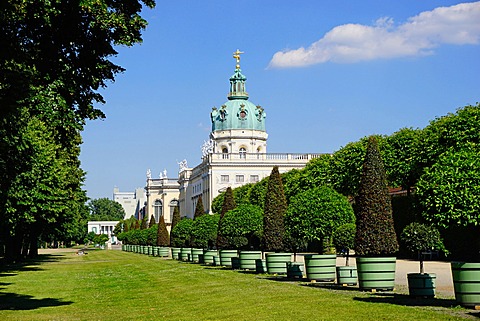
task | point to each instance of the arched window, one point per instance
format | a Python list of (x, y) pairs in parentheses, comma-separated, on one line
[(243, 152), (225, 153), (157, 209), (172, 205)]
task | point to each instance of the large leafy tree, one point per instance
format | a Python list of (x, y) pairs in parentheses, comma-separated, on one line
[(449, 191), (104, 209), (346, 168), (274, 212), (399, 152), (54, 58), (375, 231), (316, 173), (68, 43)]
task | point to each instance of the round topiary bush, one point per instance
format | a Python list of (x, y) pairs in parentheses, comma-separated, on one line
[(182, 233), (313, 215), (204, 231), (242, 227)]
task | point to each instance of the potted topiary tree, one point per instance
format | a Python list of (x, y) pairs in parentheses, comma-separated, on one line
[(312, 216), (419, 238), (241, 228), (448, 193), (274, 210), (163, 239), (175, 219), (181, 234), (204, 235), (375, 240), (344, 240)]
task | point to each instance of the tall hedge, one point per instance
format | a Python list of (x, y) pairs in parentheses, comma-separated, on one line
[(175, 220), (274, 211), (375, 231), (162, 234)]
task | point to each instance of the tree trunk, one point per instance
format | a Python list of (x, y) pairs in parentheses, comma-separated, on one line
[(33, 246)]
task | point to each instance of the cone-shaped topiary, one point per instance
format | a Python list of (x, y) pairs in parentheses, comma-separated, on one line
[(375, 232), (199, 211), (274, 211), (152, 222), (228, 204), (144, 224), (162, 233), (175, 220)]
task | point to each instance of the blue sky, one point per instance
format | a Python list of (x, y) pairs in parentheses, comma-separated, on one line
[(326, 72)]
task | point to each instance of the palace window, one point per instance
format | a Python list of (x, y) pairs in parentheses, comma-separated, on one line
[(254, 178), (225, 153), (157, 209), (224, 178), (172, 205), (243, 152), (239, 178)]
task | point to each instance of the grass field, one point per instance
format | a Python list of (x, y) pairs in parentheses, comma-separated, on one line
[(115, 285)]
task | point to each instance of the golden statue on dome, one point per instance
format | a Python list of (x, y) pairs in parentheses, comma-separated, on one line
[(236, 55)]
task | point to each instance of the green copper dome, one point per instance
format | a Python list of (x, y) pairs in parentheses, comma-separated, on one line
[(238, 112)]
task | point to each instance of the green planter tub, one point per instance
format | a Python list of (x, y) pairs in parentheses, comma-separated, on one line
[(248, 258), (320, 267), (277, 262), (466, 283), (260, 266), (145, 249), (346, 275), (421, 285), (186, 254), (195, 254), (155, 250), (295, 270), (376, 273), (208, 256), (226, 257), (163, 251), (175, 253), (150, 250)]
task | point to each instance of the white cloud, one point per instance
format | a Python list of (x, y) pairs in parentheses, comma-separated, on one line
[(457, 25)]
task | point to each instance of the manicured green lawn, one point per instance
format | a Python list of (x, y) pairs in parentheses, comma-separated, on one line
[(115, 285)]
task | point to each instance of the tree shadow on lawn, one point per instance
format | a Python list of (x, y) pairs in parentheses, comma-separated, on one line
[(406, 300), (29, 264), (13, 301)]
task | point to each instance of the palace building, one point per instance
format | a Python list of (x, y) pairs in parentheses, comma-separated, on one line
[(236, 154)]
